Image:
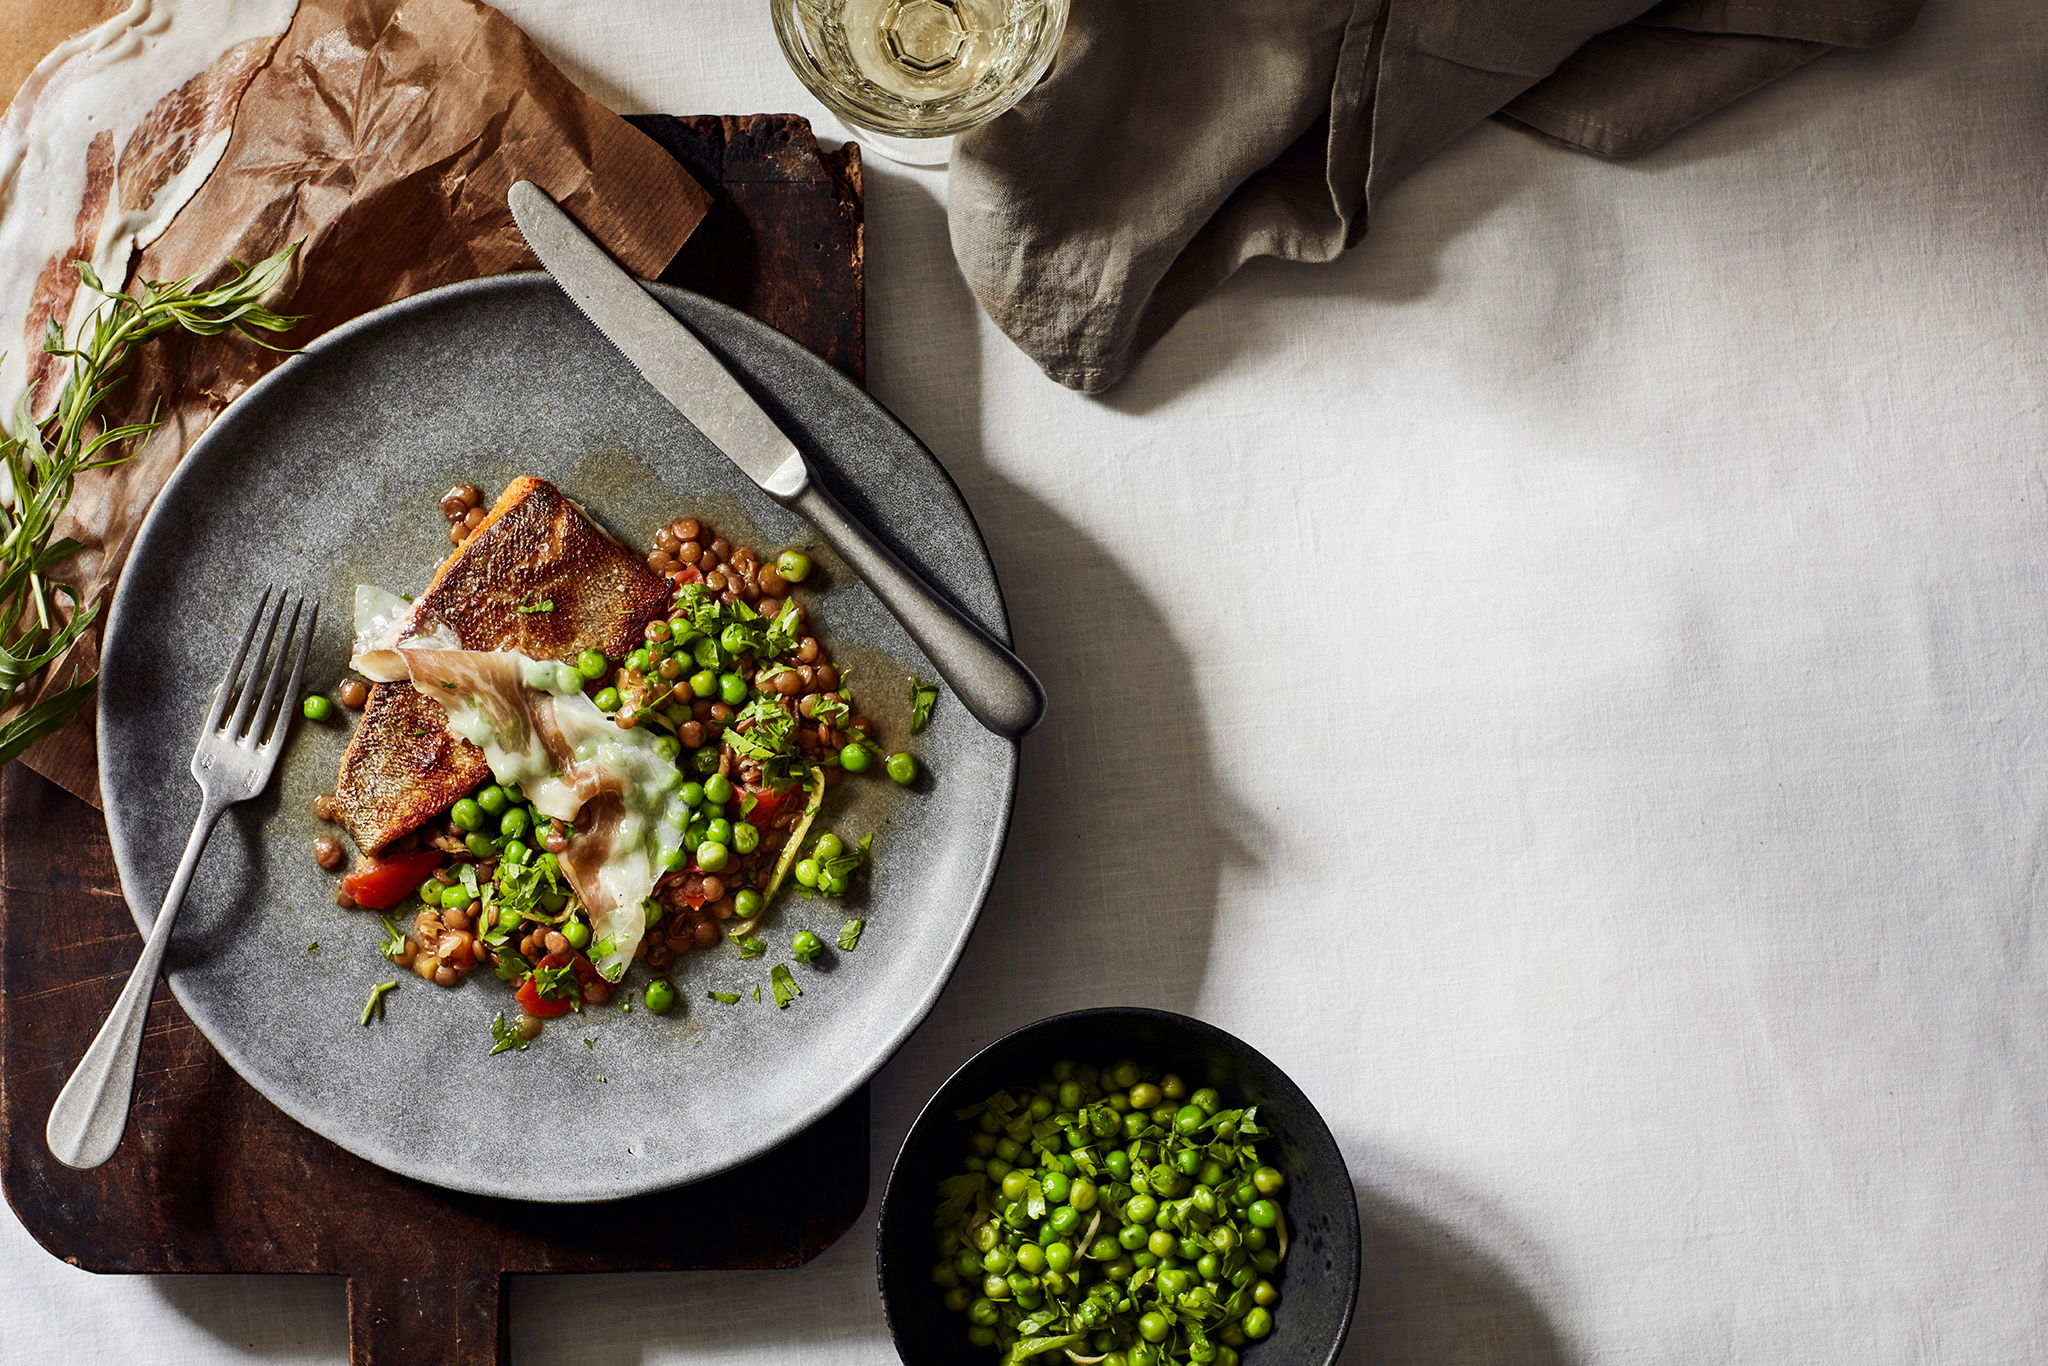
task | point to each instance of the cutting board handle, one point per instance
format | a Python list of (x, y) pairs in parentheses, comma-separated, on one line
[(431, 1315)]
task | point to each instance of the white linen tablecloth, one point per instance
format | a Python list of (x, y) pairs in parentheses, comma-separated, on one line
[(1562, 681)]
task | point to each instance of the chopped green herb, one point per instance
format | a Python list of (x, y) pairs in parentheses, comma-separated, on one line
[(724, 998), (786, 989), (504, 1036), (590, 1043), (313, 947), (373, 1009), (923, 697), (557, 984), (849, 934), (544, 605), (757, 991), (750, 946), (394, 939)]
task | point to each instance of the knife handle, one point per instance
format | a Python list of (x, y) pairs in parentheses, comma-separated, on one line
[(990, 681)]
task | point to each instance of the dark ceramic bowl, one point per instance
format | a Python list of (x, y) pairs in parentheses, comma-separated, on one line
[(1318, 1283)]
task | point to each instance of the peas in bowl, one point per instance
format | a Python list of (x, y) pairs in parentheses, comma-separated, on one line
[(1135, 1209)]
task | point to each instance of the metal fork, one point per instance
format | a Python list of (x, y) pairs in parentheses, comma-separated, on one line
[(233, 763)]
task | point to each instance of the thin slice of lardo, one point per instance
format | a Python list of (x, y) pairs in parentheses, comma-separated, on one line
[(620, 790), (538, 577)]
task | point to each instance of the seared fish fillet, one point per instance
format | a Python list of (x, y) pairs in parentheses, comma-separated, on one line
[(534, 548)]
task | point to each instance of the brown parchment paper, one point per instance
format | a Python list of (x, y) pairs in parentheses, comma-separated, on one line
[(385, 135)]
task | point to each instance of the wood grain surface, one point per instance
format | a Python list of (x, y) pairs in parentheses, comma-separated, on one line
[(212, 1178)]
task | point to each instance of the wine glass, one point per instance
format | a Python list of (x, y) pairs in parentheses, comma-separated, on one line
[(914, 73)]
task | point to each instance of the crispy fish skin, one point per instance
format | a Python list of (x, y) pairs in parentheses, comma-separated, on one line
[(536, 550)]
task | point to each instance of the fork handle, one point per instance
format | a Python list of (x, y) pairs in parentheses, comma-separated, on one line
[(91, 1112)]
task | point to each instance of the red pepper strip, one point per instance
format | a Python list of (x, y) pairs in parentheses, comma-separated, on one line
[(381, 884)]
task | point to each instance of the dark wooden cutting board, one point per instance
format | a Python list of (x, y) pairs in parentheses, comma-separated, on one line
[(212, 1178)]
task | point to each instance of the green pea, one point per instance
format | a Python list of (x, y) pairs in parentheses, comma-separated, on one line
[(1070, 1095), (1206, 1100), (1258, 1321), (706, 654), (515, 823), (1016, 1185), (1124, 1075), (746, 903), (1173, 1280), (966, 1265), (1031, 1258), (493, 799), (466, 815), (995, 1287), (691, 794), (855, 757), (1262, 1213), (732, 689), (430, 893), (1162, 1244), (1131, 1237), (745, 837), (955, 1297), (1265, 1293), (591, 664), (982, 1312), (1105, 1248), (1134, 1124), (902, 767), (1142, 1355), (1064, 1220), (1118, 1165), (1267, 1259), (508, 919), (997, 1168), (704, 761), (719, 831), (998, 1260), (577, 933), (1056, 1187), (1209, 1266), (1172, 1087), (660, 996), (1211, 1174), (1022, 1284), (517, 852), (793, 565), (1242, 1193), (1187, 1249), (1268, 1180), (1189, 1118), (316, 707), (1120, 1270), (1140, 1209), (607, 699), (1144, 1096), (981, 1335), (457, 897), (1253, 1239), (806, 947), (1082, 1196), (480, 844), (1188, 1161), (829, 846), (711, 857), (807, 872), (1059, 1256), (1009, 1149), (1153, 1327), (703, 683), (718, 789)]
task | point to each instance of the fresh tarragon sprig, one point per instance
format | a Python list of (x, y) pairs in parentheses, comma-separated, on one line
[(39, 461)]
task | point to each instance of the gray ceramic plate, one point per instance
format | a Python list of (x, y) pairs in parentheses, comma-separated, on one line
[(328, 473)]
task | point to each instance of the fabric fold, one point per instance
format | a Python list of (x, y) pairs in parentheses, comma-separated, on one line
[(1173, 144)]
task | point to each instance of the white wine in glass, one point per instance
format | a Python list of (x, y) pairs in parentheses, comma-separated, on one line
[(920, 68)]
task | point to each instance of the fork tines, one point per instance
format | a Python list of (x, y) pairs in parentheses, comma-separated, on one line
[(259, 720)]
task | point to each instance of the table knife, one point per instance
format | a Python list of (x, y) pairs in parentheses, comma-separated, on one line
[(990, 681)]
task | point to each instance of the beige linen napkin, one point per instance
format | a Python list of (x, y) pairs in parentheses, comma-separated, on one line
[(1178, 139)]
